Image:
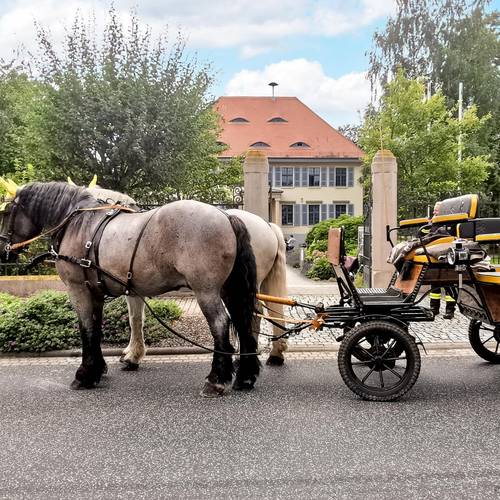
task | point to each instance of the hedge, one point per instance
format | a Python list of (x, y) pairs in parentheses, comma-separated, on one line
[(46, 321)]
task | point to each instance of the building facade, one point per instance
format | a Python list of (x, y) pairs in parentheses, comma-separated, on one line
[(314, 171)]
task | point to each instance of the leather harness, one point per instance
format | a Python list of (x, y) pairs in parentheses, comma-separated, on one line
[(86, 263), (93, 244)]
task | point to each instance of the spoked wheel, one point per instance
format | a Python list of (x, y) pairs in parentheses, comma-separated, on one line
[(485, 340), (379, 361)]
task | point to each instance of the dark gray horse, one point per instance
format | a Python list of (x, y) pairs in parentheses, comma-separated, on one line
[(185, 243)]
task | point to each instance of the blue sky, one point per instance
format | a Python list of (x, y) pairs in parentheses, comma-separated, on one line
[(314, 49)]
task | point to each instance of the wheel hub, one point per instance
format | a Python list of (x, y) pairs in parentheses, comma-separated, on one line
[(383, 358)]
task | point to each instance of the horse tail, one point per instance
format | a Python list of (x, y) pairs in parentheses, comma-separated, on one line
[(275, 284), (240, 289), (241, 285)]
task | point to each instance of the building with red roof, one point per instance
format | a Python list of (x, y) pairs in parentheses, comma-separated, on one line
[(314, 169)]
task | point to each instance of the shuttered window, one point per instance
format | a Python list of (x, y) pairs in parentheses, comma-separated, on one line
[(287, 177), (277, 176), (324, 211), (287, 215), (313, 214), (296, 175), (323, 176), (331, 176), (350, 177), (296, 215), (341, 177)]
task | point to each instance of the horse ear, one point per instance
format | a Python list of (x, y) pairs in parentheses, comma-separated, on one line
[(93, 182), (70, 182), (9, 185)]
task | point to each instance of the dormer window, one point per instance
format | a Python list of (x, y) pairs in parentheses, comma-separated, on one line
[(260, 144), (239, 119), (277, 119), (299, 144)]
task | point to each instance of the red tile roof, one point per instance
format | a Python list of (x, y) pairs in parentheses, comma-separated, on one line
[(302, 126)]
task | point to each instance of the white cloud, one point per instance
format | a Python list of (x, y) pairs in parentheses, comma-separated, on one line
[(253, 26), (338, 100)]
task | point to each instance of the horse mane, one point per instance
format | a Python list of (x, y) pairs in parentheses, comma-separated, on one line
[(48, 203)]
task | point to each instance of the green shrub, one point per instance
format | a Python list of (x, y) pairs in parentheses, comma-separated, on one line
[(46, 321), (115, 326), (317, 242), (317, 237), (321, 269)]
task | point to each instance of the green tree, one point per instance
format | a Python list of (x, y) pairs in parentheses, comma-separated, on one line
[(447, 42), (423, 135), (21, 112), (133, 110)]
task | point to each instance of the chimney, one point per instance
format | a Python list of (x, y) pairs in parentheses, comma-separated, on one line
[(272, 85)]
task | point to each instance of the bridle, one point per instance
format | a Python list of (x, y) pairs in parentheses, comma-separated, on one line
[(7, 237)]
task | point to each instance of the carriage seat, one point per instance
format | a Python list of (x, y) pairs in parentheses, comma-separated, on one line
[(488, 277), (369, 296), (452, 212)]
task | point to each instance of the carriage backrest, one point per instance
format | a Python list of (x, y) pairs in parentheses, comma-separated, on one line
[(486, 230), (335, 252), (456, 209)]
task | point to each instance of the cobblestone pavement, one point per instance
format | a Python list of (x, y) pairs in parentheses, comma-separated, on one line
[(440, 330)]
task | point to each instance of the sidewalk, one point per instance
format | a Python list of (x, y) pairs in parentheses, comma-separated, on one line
[(308, 291)]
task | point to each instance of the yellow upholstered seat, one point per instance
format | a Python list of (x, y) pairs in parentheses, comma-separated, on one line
[(488, 277)]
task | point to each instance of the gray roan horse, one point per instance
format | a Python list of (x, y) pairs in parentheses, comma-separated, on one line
[(268, 245), (185, 243)]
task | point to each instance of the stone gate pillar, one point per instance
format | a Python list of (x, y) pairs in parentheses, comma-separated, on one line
[(384, 212), (256, 183)]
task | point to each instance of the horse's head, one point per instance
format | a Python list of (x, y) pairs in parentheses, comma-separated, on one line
[(15, 224)]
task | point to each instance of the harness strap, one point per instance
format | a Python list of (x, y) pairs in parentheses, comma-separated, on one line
[(94, 243), (87, 263), (132, 259)]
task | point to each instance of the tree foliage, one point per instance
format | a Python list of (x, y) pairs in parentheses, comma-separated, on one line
[(423, 135), (21, 115), (447, 42), (132, 109)]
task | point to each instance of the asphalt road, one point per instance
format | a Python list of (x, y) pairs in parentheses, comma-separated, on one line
[(300, 434)]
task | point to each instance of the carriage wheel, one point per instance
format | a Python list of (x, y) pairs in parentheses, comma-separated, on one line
[(379, 361), (485, 340)]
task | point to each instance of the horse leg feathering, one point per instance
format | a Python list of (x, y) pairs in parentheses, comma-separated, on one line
[(89, 311)]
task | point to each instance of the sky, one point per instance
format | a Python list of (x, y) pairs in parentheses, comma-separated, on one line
[(314, 49)]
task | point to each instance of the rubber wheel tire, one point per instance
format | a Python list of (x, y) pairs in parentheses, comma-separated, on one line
[(478, 346), (403, 339)]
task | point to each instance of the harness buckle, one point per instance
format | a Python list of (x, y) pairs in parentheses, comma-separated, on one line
[(85, 263), (53, 252), (129, 275), (111, 212), (7, 249), (88, 244)]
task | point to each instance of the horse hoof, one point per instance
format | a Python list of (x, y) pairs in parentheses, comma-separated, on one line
[(243, 385), (129, 366), (275, 361), (78, 385), (212, 390)]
